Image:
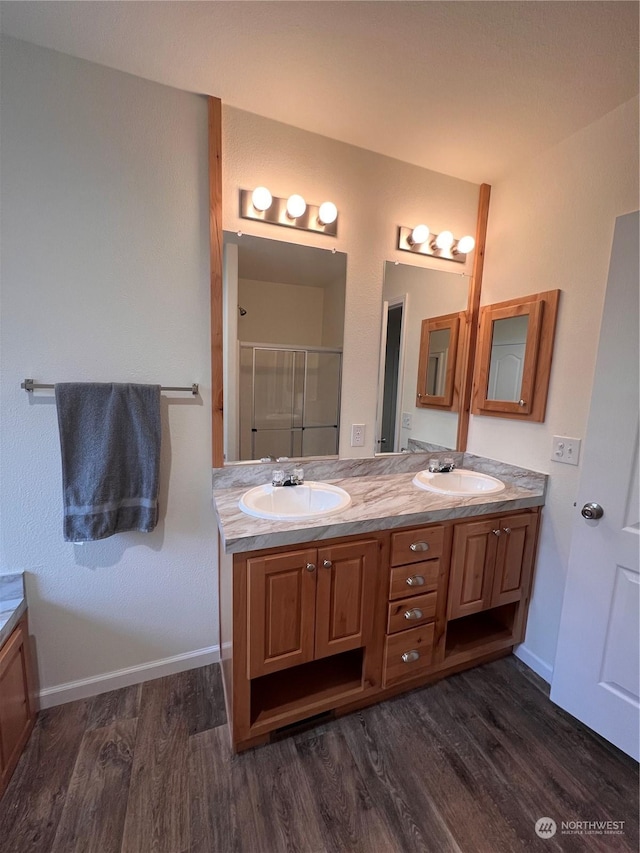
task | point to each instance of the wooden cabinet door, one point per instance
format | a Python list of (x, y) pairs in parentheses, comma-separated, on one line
[(346, 595), (16, 714), (473, 558), (514, 561), (281, 606)]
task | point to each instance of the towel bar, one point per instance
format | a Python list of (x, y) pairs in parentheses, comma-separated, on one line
[(30, 385)]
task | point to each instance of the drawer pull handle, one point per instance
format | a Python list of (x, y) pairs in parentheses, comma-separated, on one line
[(310, 567), (414, 613), (415, 580), (327, 564), (410, 657), (419, 546)]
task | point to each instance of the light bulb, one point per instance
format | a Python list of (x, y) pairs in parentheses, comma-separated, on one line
[(465, 244), (420, 234), (296, 206), (444, 240), (327, 213), (261, 198)]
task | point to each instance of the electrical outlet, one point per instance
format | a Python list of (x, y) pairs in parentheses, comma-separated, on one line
[(566, 449), (357, 435), (406, 420)]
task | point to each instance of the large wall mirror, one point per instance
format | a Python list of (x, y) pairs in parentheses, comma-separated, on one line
[(283, 320), (423, 312)]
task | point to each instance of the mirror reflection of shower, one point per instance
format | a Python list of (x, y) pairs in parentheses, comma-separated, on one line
[(284, 320)]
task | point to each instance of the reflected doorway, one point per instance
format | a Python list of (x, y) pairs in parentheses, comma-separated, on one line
[(392, 358)]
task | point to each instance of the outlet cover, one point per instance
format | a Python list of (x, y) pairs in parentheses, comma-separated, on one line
[(566, 449), (357, 435), (406, 420)]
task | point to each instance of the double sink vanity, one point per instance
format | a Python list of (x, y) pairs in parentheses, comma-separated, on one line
[(410, 576)]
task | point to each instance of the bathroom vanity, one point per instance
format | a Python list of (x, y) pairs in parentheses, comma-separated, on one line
[(17, 706), (321, 617)]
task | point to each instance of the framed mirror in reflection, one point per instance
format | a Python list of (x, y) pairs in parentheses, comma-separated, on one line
[(283, 314), (422, 329)]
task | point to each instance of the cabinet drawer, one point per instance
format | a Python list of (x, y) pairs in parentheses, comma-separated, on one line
[(411, 612), (414, 579), (414, 546), (407, 654)]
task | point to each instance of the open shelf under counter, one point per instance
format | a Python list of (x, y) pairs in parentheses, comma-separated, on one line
[(309, 687), (484, 632)]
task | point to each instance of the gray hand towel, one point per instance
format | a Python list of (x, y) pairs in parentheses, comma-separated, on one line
[(110, 443)]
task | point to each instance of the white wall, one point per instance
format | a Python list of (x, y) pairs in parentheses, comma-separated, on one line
[(280, 313), (374, 195), (105, 277), (551, 226)]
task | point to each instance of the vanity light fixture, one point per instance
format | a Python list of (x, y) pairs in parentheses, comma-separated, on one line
[(293, 211), (261, 198), (419, 235), (443, 245), (444, 240), (327, 213), (465, 245), (296, 206)]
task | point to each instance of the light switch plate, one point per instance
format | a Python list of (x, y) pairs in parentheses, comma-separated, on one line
[(566, 449), (406, 420)]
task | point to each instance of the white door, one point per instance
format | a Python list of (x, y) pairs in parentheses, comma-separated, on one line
[(596, 674)]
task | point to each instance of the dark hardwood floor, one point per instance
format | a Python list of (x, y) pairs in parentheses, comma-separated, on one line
[(466, 765)]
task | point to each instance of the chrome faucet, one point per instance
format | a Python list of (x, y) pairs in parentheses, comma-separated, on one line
[(293, 478), (444, 467)]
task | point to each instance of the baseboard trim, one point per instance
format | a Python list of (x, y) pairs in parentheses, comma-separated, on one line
[(539, 666), (87, 687)]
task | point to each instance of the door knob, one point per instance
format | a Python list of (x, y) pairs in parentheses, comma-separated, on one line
[(310, 567), (327, 564), (497, 532), (592, 511)]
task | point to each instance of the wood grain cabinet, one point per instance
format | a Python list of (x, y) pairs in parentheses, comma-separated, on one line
[(321, 629), (17, 713), (491, 563), (309, 604), (416, 589)]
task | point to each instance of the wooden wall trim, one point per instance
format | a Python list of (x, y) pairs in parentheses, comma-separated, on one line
[(473, 311), (215, 240)]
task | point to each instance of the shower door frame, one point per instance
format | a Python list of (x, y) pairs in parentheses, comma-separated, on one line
[(292, 348)]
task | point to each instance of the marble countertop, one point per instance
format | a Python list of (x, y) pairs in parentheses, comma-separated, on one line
[(378, 502), (12, 603)]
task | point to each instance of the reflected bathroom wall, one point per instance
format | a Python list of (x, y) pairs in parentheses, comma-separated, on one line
[(284, 310), (425, 293)]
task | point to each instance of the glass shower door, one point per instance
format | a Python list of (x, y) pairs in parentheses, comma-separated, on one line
[(321, 403)]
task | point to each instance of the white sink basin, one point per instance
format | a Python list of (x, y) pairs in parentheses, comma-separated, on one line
[(294, 503), (459, 482)]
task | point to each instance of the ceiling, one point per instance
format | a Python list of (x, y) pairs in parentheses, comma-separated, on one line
[(466, 88), (286, 263)]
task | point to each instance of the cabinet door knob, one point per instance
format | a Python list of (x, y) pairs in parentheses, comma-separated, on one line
[(310, 567), (522, 403), (327, 564), (497, 532), (415, 580), (410, 657), (507, 529), (414, 613), (419, 546)]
